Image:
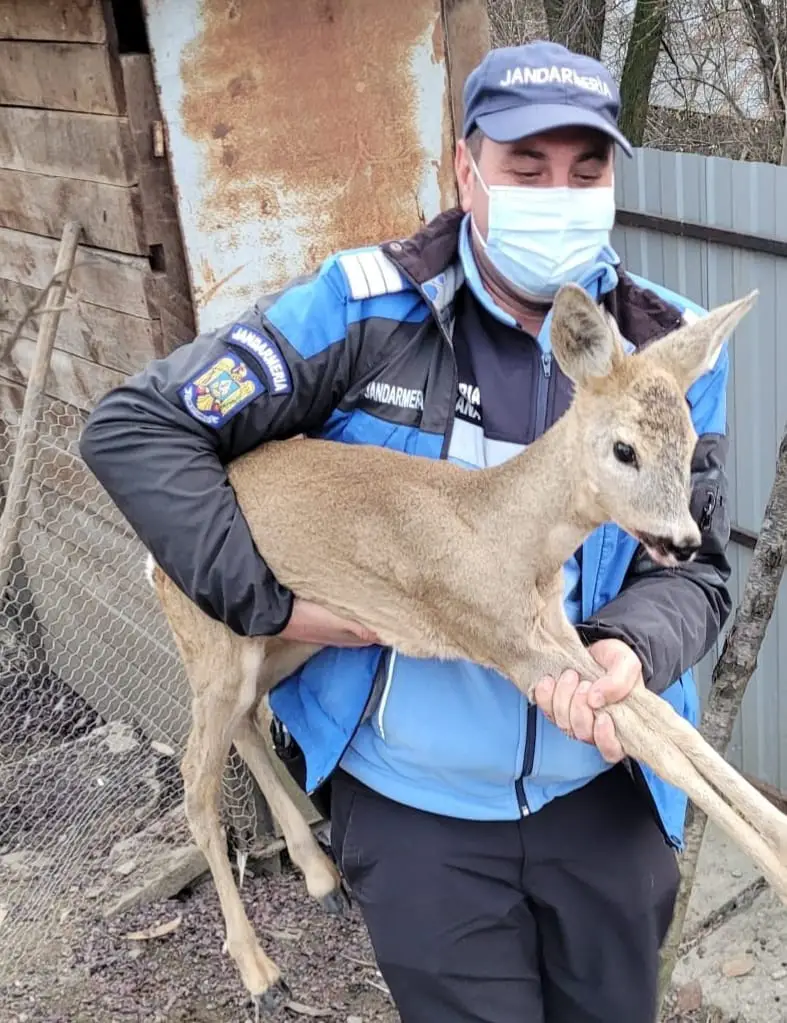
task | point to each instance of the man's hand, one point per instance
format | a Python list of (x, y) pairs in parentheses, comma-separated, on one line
[(310, 623), (570, 703)]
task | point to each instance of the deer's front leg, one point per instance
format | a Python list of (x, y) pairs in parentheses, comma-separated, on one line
[(556, 646), (547, 658)]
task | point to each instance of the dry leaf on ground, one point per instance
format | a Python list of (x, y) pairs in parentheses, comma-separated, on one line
[(689, 997), (157, 931), (738, 967), (307, 1010)]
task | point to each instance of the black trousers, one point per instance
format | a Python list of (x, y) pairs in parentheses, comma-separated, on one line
[(556, 918)]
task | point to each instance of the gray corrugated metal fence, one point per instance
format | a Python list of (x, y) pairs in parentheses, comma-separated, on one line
[(713, 229)]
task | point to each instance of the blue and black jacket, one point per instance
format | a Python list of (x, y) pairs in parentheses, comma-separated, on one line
[(381, 346)]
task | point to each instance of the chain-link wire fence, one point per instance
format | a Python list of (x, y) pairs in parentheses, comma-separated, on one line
[(94, 702)]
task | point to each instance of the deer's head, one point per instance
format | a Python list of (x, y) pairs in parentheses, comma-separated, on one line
[(635, 434)]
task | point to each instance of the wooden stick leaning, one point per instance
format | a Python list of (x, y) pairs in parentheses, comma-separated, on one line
[(55, 292)]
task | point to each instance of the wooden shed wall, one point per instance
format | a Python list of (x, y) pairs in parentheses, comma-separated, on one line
[(80, 137), (78, 121)]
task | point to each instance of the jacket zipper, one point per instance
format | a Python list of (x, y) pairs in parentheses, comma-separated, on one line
[(444, 335), (385, 694), (707, 510), (531, 719), (391, 660)]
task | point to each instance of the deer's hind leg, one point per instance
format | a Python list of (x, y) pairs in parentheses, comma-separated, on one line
[(224, 692), (322, 879)]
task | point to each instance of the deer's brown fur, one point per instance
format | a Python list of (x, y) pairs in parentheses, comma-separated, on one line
[(442, 562)]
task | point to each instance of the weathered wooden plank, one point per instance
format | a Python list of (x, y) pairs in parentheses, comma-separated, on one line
[(60, 76), (90, 147), (65, 20), (177, 305), (174, 331), (70, 500), (112, 339), (88, 545), (11, 398), (159, 209), (40, 204), (99, 651), (90, 590), (70, 378), (109, 279), (58, 465)]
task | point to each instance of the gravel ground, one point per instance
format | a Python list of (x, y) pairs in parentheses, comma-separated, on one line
[(183, 977)]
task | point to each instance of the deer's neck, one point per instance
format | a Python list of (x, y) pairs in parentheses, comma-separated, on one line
[(540, 502)]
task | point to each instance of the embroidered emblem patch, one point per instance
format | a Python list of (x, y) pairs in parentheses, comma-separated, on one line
[(267, 353), (221, 390)]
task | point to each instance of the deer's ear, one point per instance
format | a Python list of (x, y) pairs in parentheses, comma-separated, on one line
[(691, 351), (583, 343)]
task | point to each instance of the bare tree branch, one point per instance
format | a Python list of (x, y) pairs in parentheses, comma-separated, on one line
[(781, 81), (578, 25), (702, 75)]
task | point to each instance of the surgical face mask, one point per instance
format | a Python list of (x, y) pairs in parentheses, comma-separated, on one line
[(540, 238)]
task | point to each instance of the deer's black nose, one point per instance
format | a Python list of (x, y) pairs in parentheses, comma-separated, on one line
[(684, 551), (664, 545)]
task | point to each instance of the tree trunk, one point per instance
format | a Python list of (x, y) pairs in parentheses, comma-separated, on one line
[(577, 25), (765, 43), (650, 19), (730, 678), (767, 25)]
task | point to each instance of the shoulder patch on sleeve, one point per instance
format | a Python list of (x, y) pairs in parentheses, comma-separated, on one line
[(369, 273), (267, 353), (220, 390)]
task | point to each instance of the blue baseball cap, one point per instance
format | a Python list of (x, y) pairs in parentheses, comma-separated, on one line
[(518, 91)]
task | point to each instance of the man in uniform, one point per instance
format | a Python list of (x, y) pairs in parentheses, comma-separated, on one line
[(510, 865)]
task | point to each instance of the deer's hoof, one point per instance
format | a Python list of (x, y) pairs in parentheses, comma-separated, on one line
[(335, 903), (274, 998)]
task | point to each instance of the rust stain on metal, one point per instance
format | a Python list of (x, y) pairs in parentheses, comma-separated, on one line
[(204, 295), (445, 168), (309, 110), (438, 41)]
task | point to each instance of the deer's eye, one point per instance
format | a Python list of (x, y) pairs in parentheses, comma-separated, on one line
[(625, 453)]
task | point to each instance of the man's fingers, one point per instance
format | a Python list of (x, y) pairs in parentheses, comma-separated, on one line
[(565, 702), (606, 740), (561, 701), (366, 636), (543, 695), (623, 671), (582, 718)]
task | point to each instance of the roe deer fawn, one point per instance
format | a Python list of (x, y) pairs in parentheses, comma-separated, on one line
[(333, 521)]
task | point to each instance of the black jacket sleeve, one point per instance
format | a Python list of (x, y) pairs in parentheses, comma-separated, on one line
[(160, 442), (671, 617)]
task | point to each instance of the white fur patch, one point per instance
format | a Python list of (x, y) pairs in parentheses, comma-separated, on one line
[(689, 316)]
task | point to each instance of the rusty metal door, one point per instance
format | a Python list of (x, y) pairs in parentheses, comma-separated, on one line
[(298, 127)]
